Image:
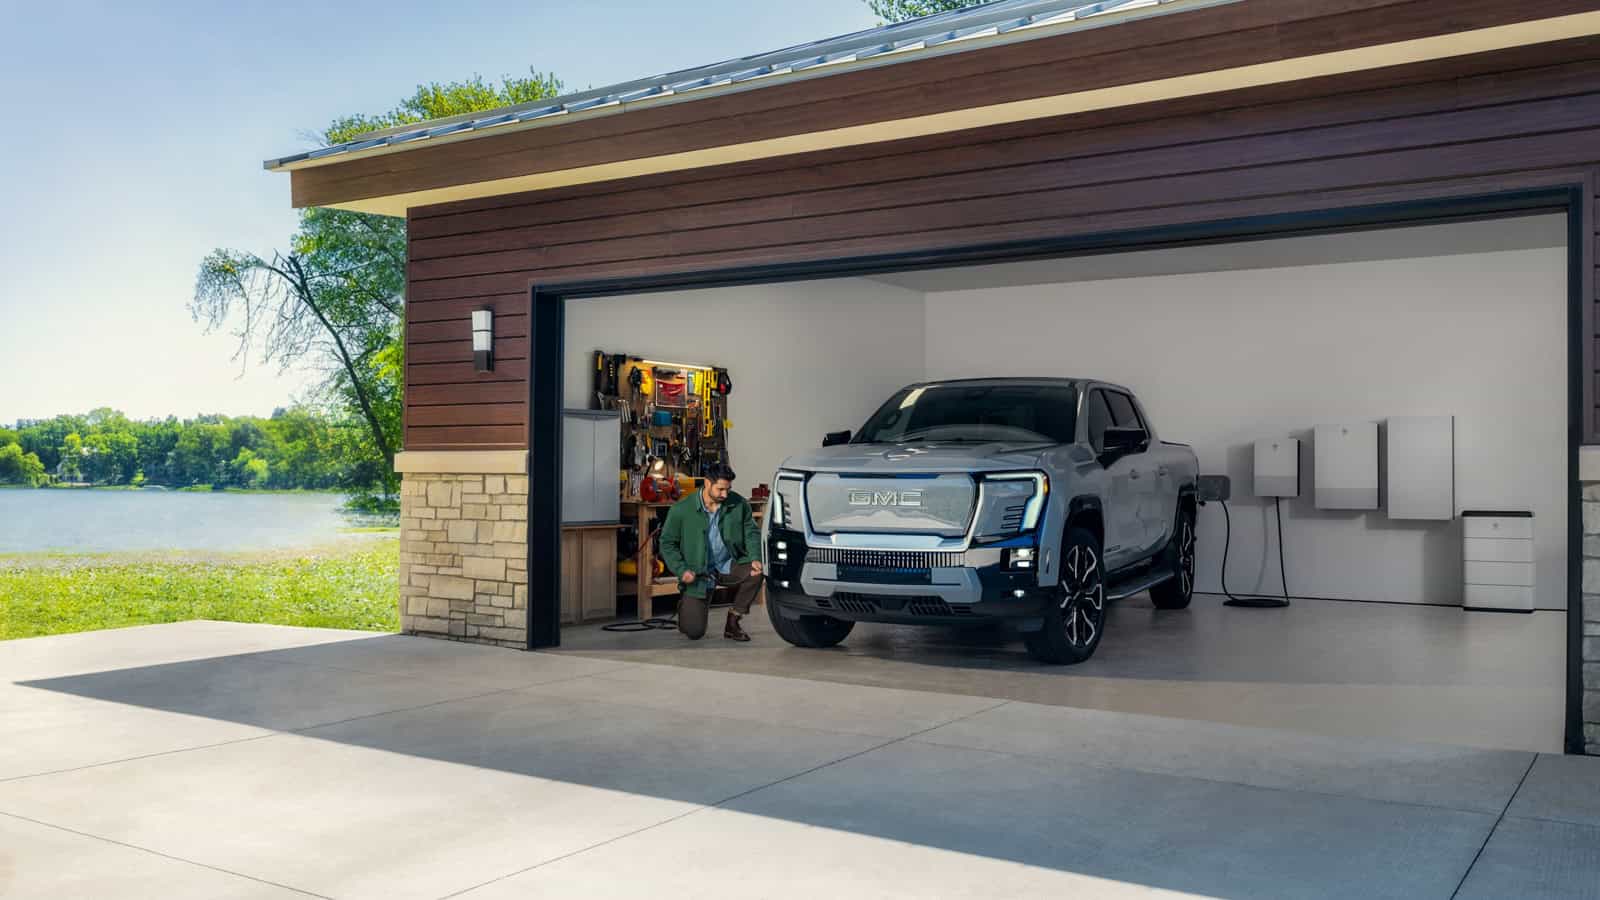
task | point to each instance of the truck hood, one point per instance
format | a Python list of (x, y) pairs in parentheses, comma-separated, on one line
[(918, 458)]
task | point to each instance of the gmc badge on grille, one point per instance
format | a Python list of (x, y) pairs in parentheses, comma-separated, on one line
[(886, 498)]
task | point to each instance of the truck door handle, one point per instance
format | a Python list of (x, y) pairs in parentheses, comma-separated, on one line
[(1133, 473), (1162, 471)]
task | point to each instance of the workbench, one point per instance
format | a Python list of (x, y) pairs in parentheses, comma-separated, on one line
[(644, 586)]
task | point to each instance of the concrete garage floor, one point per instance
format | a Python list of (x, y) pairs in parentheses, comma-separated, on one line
[(1423, 673), (210, 759)]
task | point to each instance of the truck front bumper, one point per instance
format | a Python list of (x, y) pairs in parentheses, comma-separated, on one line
[(981, 589)]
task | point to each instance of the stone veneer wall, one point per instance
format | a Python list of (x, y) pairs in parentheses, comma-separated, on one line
[(1591, 618), (464, 557)]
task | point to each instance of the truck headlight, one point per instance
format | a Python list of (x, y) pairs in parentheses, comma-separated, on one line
[(784, 510), (1018, 498)]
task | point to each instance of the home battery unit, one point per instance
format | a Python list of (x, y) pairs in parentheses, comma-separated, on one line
[(1419, 481), (1277, 471), (1345, 474), (1497, 560)]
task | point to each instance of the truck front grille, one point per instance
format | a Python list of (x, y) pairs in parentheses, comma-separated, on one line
[(888, 559), (871, 604)]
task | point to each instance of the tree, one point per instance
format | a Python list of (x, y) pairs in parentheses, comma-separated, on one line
[(249, 470), (69, 456), (157, 440), (111, 456), (439, 101), (901, 10), (44, 439), (335, 296), (17, 467)]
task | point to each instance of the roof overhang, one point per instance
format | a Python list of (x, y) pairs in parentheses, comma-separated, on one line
[(1012, 78)]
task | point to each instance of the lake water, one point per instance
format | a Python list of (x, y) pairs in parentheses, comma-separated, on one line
[(105, 521)]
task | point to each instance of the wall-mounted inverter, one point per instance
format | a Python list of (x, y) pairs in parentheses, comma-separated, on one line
[(1346, 465), (1420, 479), (1277, 467)]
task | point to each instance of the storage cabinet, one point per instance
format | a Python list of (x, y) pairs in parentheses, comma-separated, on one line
[(1497, 560), (588, 574), (591, 442)]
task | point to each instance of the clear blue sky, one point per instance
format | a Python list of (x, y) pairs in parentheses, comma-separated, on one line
[(135, 139)]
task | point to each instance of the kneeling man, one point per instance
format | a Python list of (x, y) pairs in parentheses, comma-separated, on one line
[(710, 539)]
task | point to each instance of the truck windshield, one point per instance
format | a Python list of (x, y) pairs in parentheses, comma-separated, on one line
[(1034, 413)]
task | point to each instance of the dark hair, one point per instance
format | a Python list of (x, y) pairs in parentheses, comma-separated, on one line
[(719, 473)]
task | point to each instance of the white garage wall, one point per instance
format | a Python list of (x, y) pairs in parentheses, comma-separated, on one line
[(805, 358), (1221, 359)]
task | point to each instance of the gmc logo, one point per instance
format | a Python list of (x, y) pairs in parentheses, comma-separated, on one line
[(886, 498)]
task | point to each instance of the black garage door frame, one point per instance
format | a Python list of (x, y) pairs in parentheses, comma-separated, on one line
[(547, 336)]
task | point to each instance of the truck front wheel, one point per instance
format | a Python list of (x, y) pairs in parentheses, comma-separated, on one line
[(1076, 616), (808, 631)]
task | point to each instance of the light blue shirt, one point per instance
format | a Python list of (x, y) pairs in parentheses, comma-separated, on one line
[(720, 558)]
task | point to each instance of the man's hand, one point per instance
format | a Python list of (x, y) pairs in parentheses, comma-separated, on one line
[(686, 578), (755, 567)]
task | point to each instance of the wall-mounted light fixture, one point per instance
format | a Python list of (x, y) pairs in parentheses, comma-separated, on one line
[(483, 340)]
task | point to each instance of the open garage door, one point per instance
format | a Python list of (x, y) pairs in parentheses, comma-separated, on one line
[(1464, 324)]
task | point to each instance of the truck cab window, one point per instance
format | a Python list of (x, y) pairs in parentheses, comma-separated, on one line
[(1123, 412), (1099, 420)]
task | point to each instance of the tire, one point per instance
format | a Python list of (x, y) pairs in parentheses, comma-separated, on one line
[(1179, 555), (808, 631), (1074, 623)]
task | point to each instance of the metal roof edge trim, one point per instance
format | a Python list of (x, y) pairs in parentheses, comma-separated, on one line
[(457, 128), (1253, 75)]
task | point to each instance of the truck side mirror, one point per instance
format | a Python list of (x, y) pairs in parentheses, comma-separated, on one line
[(1122, 441), (835, 437)]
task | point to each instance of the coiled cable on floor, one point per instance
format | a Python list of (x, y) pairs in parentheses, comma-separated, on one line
[(1253, 601), (651, 624)]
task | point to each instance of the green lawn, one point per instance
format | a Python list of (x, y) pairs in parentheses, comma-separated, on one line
[(352, 584)]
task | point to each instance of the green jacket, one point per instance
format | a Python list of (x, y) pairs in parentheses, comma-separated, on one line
[(684, 547)]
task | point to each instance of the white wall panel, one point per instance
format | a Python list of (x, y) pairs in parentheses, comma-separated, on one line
[(1221, 359)]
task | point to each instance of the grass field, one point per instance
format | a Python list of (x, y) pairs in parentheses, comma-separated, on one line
[(348, 584)]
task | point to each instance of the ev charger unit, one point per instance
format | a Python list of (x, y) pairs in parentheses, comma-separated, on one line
[(1277, 471)]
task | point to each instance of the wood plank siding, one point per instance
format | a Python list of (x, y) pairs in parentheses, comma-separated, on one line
[(1250, 32), (1465, 126)]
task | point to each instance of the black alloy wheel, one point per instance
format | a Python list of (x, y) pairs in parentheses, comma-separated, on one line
[(1075, 620)]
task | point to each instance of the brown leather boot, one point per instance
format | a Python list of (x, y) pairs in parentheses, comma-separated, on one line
[(732, 631)]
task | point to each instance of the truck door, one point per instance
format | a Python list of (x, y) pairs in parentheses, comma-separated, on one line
[(1143, 478), (1124, 531)]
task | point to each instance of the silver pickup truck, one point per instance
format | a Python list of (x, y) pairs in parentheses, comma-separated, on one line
[(1030, 500)]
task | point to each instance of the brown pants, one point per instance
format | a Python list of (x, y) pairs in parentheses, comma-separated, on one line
[(694, 611)]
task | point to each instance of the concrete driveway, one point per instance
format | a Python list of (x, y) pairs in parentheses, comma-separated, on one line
[(209, 759)]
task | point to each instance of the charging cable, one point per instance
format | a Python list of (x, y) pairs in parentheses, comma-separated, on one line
[(1254, 601)]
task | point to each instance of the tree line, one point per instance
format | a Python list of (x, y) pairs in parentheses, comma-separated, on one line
[(299, 447)]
